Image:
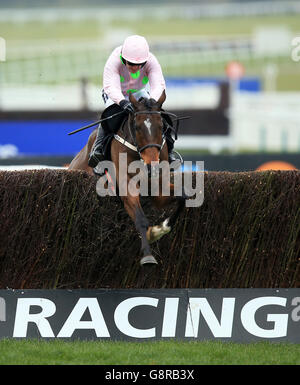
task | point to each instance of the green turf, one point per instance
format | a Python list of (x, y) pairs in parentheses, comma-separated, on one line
[(210, 26), (149, 27), (36, 30), (57, 352)]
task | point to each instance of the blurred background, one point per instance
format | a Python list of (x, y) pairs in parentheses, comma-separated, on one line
[(233, 66)]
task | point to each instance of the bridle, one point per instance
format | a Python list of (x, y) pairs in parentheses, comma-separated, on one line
[(117, 137), (134, 146), (132, 131), (133, 128)]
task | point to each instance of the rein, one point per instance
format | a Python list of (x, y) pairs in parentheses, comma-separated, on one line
[(135, 147), (177, 119)]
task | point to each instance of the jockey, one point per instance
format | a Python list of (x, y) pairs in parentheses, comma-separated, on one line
[(130, 68)]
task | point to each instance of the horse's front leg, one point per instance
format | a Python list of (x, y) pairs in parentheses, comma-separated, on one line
[(135, 211), (154, 233)]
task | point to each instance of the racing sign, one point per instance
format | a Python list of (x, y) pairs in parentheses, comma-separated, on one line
[(239, 315)]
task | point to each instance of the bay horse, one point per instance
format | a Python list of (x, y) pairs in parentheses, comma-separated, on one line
[(145, 141)]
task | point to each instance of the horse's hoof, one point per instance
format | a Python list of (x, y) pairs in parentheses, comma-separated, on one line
[(148, 260)]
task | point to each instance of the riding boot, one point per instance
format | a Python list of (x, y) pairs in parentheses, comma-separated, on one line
[(96, 154), (170, 143)]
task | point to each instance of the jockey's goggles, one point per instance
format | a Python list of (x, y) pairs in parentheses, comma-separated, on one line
[(133, 64)]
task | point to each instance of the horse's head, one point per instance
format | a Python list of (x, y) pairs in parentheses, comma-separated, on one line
[(147, 125)]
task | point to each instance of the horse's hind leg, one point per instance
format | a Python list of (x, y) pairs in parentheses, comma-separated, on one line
[(135, 211), (80, 162)]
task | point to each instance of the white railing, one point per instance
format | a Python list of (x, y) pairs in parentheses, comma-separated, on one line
[(266, 121)]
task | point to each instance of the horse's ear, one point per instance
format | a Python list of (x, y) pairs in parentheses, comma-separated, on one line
[(133, 100), (162, 99)]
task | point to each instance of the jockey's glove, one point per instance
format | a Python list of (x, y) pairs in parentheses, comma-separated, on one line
[(126, 106)]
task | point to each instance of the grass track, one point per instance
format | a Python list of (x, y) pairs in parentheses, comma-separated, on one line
[(57, 352), (65, 29)]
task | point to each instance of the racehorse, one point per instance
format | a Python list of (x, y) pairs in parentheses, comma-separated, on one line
[(145, 141)]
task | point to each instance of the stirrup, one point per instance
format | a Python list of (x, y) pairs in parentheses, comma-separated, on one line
[(97, 172), (175, 156)]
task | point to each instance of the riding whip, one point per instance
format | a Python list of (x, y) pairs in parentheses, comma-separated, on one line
[(121, 112), (94, 124)]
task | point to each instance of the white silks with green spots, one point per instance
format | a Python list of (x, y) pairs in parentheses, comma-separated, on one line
[(119, 82)]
